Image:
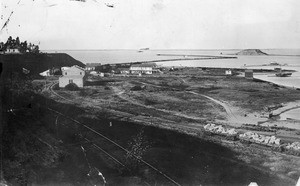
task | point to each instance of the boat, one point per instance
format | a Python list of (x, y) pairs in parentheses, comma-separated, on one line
[(274, 64), (283, 74)]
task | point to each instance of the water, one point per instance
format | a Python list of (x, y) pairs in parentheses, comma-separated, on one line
[(292, 114)]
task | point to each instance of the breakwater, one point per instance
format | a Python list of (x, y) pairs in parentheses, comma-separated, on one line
[(183, 59)]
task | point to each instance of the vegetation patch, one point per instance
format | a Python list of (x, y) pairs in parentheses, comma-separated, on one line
[(71, 87)]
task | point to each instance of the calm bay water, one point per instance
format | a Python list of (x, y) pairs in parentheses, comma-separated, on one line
[(121, 56), (292, 114)]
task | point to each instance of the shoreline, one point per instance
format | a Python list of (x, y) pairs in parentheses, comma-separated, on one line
[(295, 87)]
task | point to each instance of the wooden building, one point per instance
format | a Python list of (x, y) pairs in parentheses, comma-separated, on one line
[(143, 68), (249, 74), (74, 74)]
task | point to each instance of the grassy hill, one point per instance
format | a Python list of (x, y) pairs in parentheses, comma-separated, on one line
[(35, 63)]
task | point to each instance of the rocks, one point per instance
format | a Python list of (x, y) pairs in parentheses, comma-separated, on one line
[(219, 129), (252, 137), (294, 146), (269, 140)]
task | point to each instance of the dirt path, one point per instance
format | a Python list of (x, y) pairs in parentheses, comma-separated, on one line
[(235, 116), (287, 107), (224, 105), (120, 94)]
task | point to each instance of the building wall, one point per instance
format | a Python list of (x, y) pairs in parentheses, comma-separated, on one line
[(137, 70), (124, 72), (73, 71), (45, 73), (12, 51), (90, 68), (228, 72), (249, 74), (141, 68), (65, 80)]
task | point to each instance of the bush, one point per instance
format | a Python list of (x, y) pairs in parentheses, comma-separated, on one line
[(83, 93), (137, 88), (72, 87), (150, 102), (55, 87)]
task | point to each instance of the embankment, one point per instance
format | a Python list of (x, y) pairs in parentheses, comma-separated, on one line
[(48, 149), (35, 63)]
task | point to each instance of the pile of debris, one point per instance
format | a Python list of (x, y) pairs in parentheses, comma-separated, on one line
[(262, 139), (219, 129), (293, 146)]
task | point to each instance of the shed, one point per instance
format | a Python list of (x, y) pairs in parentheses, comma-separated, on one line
[(228, 72), (249, 74), (92, 66)]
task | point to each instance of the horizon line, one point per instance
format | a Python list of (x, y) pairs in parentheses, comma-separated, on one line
[(166, 49)]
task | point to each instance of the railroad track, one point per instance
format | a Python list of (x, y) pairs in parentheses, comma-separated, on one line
[(115, 144), (107, 139), (56, 94)]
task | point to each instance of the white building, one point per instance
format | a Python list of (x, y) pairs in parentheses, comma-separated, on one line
[(64, 68), (228, 72), (45, 73), (12, 51), (74, 74), (144, 68)]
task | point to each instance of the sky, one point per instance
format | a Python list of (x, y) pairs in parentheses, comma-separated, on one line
[(154, 24)]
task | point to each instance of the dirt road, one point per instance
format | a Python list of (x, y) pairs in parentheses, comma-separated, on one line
[(120, 94)]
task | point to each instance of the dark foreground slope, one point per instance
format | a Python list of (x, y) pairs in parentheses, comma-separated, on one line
[(40, 148), (35, 63), (251, 52)]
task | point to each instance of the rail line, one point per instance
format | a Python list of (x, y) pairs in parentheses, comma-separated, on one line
[(116, 144), (53, 92), (105, 152), (108, 139)]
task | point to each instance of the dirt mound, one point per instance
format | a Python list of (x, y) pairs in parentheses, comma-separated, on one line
[(251, 52)]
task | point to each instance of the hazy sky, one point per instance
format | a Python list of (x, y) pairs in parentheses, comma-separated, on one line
[(157, 24)]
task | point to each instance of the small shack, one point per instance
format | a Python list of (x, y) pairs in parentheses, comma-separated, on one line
[(124, 70), (92, 66), (74, 74), (249, 74), (45, 73), (12, 51), (228, 72)]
